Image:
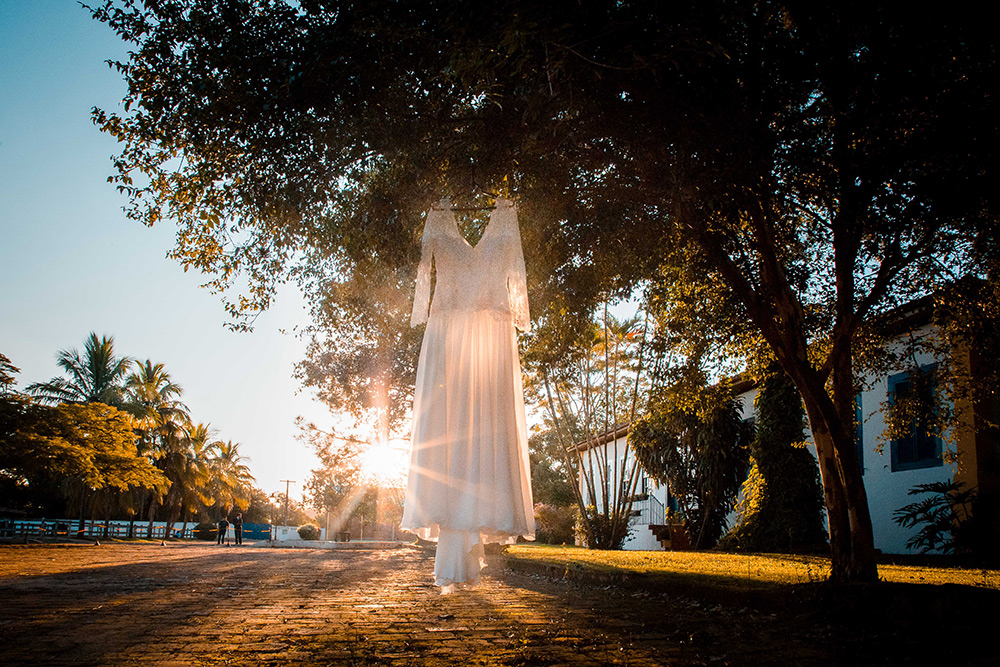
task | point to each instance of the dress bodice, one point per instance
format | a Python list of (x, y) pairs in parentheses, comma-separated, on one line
[(487, 277)]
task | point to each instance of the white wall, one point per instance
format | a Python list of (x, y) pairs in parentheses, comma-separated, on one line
[(887, 490), (283, 533), (614, 452)]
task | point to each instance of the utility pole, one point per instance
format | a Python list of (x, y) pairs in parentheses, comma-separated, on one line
[(288, 483)]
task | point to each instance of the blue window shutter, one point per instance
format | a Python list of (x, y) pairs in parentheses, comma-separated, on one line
[(917, 449)]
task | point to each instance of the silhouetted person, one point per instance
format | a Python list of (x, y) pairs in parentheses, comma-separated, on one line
[(238, 527), (223, 527)]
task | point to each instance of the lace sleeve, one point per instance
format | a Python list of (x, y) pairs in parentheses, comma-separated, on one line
[(517, 292), (422, 293), (517, 284)]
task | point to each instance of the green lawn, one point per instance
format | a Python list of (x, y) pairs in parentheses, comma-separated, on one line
[(727, 570)]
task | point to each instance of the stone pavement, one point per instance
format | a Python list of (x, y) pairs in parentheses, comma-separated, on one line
[(193, 604)]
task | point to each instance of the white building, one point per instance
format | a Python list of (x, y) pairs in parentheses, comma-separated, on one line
[(890, 468)]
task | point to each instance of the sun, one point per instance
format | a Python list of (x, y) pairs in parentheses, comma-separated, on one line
[(385, 465)]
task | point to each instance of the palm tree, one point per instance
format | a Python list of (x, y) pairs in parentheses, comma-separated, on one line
[(194, 475), (7, 373), (96, 377), (153, 398), (231, 478), (151, 391)]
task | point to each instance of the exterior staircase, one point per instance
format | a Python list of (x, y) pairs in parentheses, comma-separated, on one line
[(673, 537)]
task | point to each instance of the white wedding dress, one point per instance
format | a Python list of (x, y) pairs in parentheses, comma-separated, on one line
[(469, 480)]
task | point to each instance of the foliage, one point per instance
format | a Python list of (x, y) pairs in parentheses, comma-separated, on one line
[(96, 377), (7, 373), (781, 504), (153, 398), (554, 524), (587, 396), (230, 480), (693, 439), (804, 168), (362, 352), (296, 511), (945, 518), (309, 531), (142, 457), (261, 508), (339, 473), (342, 488), (93, 444), (551, 482)]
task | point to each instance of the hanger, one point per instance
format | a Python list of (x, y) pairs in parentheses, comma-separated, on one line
[(492, 195)]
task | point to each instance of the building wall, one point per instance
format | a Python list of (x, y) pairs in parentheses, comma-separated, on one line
[(886, 488), (616, 452)]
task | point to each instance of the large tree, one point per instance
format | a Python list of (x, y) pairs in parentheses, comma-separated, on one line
[(798, 168), (88, 450)]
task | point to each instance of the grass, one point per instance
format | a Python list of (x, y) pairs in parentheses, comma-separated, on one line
[(742, 571)]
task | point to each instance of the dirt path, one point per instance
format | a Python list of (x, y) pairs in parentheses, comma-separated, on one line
[(132, 604)]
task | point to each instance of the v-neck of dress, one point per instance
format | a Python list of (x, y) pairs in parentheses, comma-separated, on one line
[(482, 237), (500, 203)]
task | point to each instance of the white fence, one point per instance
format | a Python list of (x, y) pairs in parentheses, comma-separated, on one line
[(91, 528)]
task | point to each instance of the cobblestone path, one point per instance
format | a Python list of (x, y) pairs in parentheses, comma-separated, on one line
[(179, 604)]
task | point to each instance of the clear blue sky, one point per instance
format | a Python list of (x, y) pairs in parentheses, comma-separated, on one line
[(71, 263)]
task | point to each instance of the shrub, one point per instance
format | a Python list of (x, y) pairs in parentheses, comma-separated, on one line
[(554, 524), (309, 531), (206, 530), (945, 518), (781, 507)]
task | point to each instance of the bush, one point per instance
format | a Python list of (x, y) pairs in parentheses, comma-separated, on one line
[(781, 507), (554, 524), (310, 531), (207, 531)]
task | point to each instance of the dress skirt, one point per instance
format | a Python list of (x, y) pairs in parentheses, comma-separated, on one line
[(469, 479)]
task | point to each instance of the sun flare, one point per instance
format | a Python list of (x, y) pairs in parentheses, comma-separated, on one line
[(385, 465)]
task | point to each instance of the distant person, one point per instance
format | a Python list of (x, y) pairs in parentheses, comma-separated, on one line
[(238, 528), (223, 527)]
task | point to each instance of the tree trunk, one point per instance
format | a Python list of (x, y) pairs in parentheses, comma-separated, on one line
[(852, 550), (152, 515)]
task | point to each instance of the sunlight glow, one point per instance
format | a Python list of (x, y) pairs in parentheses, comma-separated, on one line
[(385, 466)]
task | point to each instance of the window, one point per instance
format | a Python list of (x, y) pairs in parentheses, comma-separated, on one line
[(917, 449)]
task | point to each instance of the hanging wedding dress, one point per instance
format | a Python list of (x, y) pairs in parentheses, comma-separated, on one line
[(469, 478)]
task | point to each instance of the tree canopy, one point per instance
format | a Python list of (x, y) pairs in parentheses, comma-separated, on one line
[(92, 444), (778, 174), (143, 455)]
